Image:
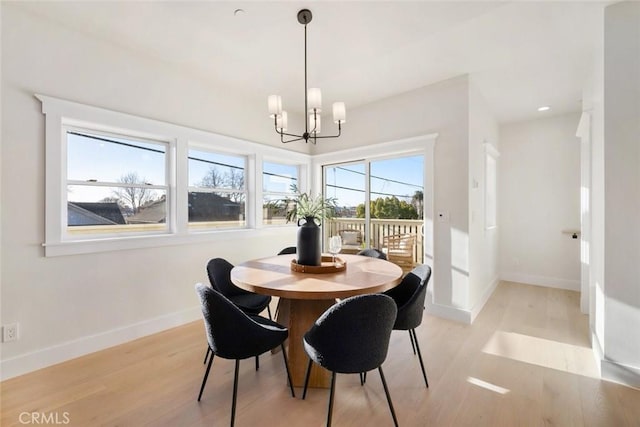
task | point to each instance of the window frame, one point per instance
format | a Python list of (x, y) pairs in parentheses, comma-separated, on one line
[(193, 227), (59, 114), (67, 234), (264, 193), (422, 145)]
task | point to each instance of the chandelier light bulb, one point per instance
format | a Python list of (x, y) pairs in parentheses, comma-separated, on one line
[(281, 121), (275, 105), (315, 99), (339, 112)]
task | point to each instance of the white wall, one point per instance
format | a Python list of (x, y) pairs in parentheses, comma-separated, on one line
[(539, 188), (442, 108), (622, 192), (73, 304), (483, 242)]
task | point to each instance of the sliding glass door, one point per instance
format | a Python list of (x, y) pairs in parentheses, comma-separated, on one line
[(380, 205)]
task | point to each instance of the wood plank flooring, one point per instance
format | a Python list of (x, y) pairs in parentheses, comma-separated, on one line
[(525, 361)]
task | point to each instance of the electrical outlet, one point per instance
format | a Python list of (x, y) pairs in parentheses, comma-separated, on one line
[(10, 332)]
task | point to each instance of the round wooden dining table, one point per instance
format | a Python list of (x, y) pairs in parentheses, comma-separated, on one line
[(305, 296)]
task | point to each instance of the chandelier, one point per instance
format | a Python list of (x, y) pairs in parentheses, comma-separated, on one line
[(312, 104)]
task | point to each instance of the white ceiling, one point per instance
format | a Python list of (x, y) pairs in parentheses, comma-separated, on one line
[(521, 55)]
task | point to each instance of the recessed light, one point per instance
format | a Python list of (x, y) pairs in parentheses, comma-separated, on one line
[(544, 108), (238, 12)]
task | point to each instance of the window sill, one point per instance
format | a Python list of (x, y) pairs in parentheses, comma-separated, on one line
[(89, 246)]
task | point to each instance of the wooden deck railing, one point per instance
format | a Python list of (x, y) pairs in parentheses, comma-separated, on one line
[(379, 229)]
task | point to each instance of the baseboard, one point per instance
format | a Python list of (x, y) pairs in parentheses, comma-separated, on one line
[(447, 312), (619, 373), (459, 314), (550, 282), (39, 359), (613, 371), (479, 305)]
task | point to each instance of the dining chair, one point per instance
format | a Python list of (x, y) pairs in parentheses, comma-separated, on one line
[(219, 272), (409, 297), (373, 253), (233, 334), (289, 250), (352, 336)]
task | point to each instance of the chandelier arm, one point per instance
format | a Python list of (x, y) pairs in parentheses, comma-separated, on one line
[(331, 136), (289, 134), (291, 140), (281, 133)]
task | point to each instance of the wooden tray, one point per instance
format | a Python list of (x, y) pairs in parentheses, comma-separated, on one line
[(327, 266)]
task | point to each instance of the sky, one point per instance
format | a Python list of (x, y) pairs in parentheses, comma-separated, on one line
[(107, 159), (399, 177)]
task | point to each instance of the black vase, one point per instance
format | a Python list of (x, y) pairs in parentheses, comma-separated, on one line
[(308, 248)]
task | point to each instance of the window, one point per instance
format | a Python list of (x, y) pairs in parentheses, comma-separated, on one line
[(376, 198), (217, 192), (382, 190), (115, 181), (114, 184), (278, 183)]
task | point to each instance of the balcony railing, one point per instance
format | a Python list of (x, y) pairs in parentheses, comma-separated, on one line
[(379, 229)]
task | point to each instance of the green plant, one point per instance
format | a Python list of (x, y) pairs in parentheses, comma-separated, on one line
[(303, 205)]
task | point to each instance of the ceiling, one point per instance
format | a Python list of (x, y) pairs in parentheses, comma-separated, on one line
[(521, 55)]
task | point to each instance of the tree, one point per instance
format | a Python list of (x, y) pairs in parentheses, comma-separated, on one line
[(235, 179), (388, 208), (213, 179), (133, 197), (418, 202)]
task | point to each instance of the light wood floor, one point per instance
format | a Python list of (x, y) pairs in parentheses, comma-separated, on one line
[(525, 361)]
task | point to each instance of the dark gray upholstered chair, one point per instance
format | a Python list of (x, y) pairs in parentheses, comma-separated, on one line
[(409, 296), (232, 334), (373, 253), (352, 336), (219, 272), (288, 250)]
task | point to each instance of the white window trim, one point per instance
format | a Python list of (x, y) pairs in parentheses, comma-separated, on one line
[(249, 159), (423, 144), (259, 172), (59, 112), (74, 125)]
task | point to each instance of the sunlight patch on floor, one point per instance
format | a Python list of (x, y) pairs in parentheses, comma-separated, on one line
[(488, 386), (542, 352)]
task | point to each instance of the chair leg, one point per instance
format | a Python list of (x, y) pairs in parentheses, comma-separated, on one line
[(286, 366), (331, 393), (206, 375), (363, 378), (306, 380), (206, 356), (424, 373), (235, 393), (413, 346), (269, 312), (257, 362), (386, 391)]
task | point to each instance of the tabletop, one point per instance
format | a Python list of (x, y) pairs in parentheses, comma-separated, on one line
[(273, 276)]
